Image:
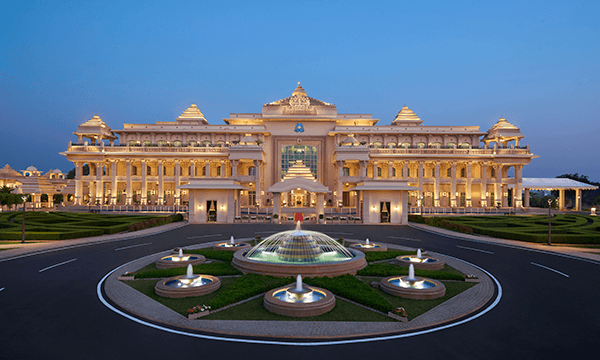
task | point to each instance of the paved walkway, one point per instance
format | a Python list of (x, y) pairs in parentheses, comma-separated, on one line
[(38, 246)]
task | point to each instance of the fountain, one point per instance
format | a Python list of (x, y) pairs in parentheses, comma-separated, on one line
[(187, 285), (299, 301), (367, 246), (231, 245), (412, 287), (299, 251), (179, 260), (419, 261)]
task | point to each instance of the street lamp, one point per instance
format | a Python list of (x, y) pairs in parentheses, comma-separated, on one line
[(23, 197), (422, 199), (549, 221)]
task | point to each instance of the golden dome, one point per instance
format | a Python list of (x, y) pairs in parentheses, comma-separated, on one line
[(299, 91)]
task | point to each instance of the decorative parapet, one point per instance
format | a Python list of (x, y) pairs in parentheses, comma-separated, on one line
[(153, 149), (450, 151)]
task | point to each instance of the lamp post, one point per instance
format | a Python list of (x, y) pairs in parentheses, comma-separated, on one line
[(23, 197), (422, 199), (549, 221)]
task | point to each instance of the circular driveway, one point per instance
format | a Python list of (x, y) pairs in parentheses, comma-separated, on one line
[(50, 308)]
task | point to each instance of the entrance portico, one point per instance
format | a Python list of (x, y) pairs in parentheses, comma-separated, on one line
[(307, 190)]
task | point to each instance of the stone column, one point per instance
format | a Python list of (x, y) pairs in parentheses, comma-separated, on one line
[(276, 208), (577, 199), (498, 195), (234, 165), (526, 197), (177, 176), (320, 201), (390, 169), (144, 199), (469, 181), (375, 170), (436, 195), (257, 163), (92, 192), (161, 191), (222, 168), (340, 165), (484, 184), (99, 187), (207, 168), (519, 186), (420, 175), (128, 184), (78, 183), (453, 193), (113, 176), (192, 169), (405, 170), (561, 199), (363, 168)]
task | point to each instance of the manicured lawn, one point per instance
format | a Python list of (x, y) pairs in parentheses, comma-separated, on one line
[(386, 269), (255, 310), (41, 225), (181, 306), (415, 308), (566, 228)]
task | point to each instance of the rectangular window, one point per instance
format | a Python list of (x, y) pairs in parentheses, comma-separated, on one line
[(408, 173), (345, 198), (218, 171), (251, 197), (148, 170), (346, 171), (449, 172), (432, 173), (134, 170)]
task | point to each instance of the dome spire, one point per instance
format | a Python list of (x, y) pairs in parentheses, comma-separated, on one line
[(299, 91)]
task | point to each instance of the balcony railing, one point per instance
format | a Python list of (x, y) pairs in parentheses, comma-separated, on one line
[(383, 151), (140, 149)]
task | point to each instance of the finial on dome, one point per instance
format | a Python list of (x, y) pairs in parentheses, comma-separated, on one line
[(299, 90)]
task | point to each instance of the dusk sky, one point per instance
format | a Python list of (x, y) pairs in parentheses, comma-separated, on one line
[(454, 63)]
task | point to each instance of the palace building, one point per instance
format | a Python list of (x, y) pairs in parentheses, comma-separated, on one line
[(299, 155)]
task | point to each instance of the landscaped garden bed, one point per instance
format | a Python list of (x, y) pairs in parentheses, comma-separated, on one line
[(239, 297), (566, 228), (41, 225)]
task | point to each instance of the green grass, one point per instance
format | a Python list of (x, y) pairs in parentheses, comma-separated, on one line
[(566, 228), (415, 308), (41, 225), (255, 310), (383, 270), (372, 256), (216, 269), (222, 255), (181, 306), (245, 287)]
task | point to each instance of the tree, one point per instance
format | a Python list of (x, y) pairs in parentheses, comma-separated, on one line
[(587, 197)]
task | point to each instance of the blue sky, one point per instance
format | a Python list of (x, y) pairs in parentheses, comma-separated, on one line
[(453, 63)]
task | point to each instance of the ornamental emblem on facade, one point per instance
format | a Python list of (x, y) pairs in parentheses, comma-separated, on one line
[(299, 128), (299, 102)]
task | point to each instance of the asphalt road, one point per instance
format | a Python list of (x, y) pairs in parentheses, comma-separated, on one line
[(52, 312)]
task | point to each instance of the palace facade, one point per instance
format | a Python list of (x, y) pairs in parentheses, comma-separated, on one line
[(299, 155)]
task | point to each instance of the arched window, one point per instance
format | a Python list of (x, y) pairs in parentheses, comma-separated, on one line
[(252, 170), (192, 143), (451, 145), (463, 145), (133, 143), (162, 143), (421, 145), (378, 171), (206, 143), (147, 143), (405, 145), (177, 143), (345, 171), (436, 145), (221, 143), (391, 145)]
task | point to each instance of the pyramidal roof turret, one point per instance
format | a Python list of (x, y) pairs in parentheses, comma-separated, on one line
[(407, 117), (192, 115)]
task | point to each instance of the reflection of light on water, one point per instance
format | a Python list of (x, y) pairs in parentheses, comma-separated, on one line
[(419, 284), (419, 260), (177, 258), (188, 282), (309, 297)]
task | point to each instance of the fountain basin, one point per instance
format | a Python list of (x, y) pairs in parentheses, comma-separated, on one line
[(286, 269), (368, 247), (424, 262), (173, 261), (418, 289), (311, 302), (185, 286), (229, 247)]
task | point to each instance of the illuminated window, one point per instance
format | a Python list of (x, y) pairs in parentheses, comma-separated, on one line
[(377, 144), (177, 143), (291, 153), (192, 143), (449, 172), (252, 170), (379, 171), (345, 171), (421, 145), (162, 143), (405, 145)]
